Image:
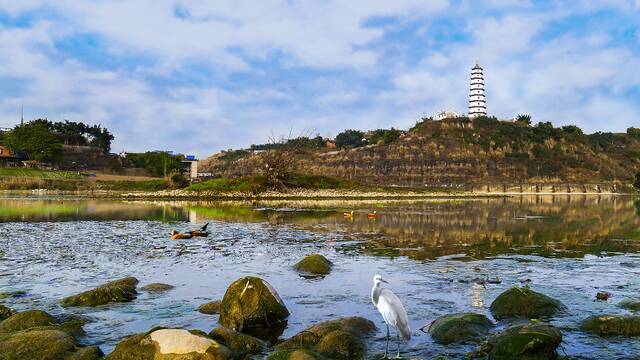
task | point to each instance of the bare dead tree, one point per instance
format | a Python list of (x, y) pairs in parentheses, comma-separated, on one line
[(278, 162)]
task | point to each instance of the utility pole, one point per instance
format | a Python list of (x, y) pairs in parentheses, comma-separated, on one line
[(22, 115)]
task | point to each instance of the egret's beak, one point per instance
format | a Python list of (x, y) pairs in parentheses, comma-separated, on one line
[(384, 281)]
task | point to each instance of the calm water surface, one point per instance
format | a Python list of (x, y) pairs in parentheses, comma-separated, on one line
[(430, 251)]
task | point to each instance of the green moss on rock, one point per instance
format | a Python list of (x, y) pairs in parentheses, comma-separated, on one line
[(251, 302), (133, 347), (612, 325), (210, 308), (122, 290), (44, 344), (524, 302), (27, 320), (157, 287), (315, 264), (523, 342), (340, 345), (629, 304), (240, 344), (296, 354), (311, 336), (465, 327)]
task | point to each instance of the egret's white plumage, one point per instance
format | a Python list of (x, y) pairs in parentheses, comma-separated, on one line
[(392, 311)]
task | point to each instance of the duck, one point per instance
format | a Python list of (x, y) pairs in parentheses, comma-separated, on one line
[(202, 231), (372, 215), (348, 214), (175, 235)]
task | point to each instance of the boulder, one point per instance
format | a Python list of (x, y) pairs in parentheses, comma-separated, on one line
[(465, 327), (340, 345), (314, 264), (612, 325), (122, 290), (240, 344), (311, 336), (210, 308), (296, 354), (44, 344), (157, 287), (523, 342), (5, 312), (252, 302), (524, 302), (169, 344), (629, 304), (27, 320)]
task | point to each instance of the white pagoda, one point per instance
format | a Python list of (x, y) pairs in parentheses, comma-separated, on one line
[(477, 104)]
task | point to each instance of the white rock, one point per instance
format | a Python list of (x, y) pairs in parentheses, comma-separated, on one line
[(179, 341)]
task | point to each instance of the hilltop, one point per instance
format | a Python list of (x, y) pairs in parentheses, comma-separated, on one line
[(456, 152)]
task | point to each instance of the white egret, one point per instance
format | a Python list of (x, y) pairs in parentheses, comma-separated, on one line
[(393, 313)]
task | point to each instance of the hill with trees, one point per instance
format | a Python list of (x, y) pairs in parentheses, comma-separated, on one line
[(453, 152)]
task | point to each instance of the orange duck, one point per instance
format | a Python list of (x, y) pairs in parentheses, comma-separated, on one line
[(372, 215), (175, 235)]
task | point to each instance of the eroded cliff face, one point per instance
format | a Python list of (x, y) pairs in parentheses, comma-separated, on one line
[(462, 152)]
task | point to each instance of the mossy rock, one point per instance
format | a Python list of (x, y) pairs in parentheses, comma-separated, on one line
[(296, 354), (169, 344), (314, 264), (44, 344), (534, 341), (311, 336), (629, 304), (157, 287), (355, 325), (524, 302), (252, 302), (27, 320), (210, 308), (340, 345), (240, 344), (465, 327), (122, 290), (6, 312), (612, 325)]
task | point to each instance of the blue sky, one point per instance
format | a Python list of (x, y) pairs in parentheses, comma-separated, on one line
[(202, 76)]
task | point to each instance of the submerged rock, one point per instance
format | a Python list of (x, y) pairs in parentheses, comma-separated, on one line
[(296, 354), (340, 344), (157, 287), (252, 302), (603, 295), (524, 302), (522, 342), (240, 344), (122, 290), (629, 304), (315, 264), (210, 308), (460, 328), (612, 325), (45, 344), (169, 344)]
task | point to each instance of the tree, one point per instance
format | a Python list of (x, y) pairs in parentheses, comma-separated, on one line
[(636, 183), (633, 132), (350, 138), (524, 119), (36, 139)]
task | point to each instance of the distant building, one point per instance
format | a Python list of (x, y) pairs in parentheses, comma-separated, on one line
[(191, 168), (477, 104), (447, 114)]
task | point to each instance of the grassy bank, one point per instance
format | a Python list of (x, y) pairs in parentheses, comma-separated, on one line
[(258, 184), (39, 174)]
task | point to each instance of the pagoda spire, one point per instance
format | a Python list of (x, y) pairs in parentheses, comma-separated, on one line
[(477, 104)]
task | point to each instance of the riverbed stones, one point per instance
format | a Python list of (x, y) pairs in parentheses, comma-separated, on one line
[(630, 304), (242, 345), (523, 342), (122, 290), (169, 344), (251, 302), (157, 287), (464, 327), (612, 325), (5, 312), (333, 338), (314, 264), (296, 354), (210, 308), (525, 303)]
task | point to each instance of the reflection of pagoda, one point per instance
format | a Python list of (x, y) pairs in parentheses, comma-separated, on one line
[(477, 104)]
